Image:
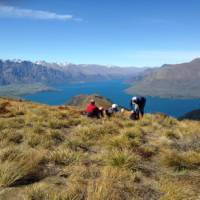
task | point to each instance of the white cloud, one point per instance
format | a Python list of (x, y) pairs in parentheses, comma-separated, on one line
[(11, 11)]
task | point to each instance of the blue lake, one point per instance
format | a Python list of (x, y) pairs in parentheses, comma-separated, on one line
[(113, 90)]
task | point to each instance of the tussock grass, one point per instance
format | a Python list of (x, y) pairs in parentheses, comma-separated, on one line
[(9, 153), (37, 192), (56, 153), (120, 142), (38, 128), (25, 167), (64, 157), (57, 124), (182, 160), (15, 137), (94, 132), (116, 183), (187, 143), (123, 159), (109, 186), (33, 139), (172, 135), (2, 125), (174, 189), (56, 136)]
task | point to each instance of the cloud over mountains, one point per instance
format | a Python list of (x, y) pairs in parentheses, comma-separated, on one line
[(12, 11)]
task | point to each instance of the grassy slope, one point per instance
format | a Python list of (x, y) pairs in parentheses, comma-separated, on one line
[(82, 101), (18, 90), (54, 153)]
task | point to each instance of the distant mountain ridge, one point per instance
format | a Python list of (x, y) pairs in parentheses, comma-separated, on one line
[(176, 81), (12, 72), (18, 71), (193, 115)]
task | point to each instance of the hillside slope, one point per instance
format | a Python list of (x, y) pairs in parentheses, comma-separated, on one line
[(193, 115), (18, 90), (81, 101), (177, 81), (55, 153)]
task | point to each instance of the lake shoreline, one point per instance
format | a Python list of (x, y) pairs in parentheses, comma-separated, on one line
[(115, 91)]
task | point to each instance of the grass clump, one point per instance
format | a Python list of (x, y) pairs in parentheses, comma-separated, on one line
[(56, 136), (9, 153), (133, 132), (37, 192), (33, 140), (182, 160), (24, 168), (64, 157), (121, 159), (57, 124), (172, 135), (147, 151), (113, 184), (38, 128), (119, 143), (95, 132), (15, 137)]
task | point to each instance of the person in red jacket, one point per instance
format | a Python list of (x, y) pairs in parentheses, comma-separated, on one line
[(92, 110)]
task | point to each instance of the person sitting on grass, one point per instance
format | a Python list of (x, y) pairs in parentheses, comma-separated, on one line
[(92, 110), (110, 111), (101, 112), (137, 106)]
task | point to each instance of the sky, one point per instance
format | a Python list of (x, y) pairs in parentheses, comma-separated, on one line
[(108, 32)]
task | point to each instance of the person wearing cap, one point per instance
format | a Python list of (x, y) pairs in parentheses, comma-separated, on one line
[(92, 110), (137, 105), (113, 109)]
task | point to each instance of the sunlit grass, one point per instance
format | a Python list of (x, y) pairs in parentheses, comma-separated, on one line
[(56, 153)]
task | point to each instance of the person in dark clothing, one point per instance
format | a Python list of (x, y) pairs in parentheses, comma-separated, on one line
[(134, 115), (92, 110), (137, 105), (110, 111), (101, 112)]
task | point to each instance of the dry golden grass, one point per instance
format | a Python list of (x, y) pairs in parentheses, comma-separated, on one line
[(21, 168), (55, 153)]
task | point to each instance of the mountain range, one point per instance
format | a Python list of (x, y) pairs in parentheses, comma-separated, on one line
[(18, 71), (175, 81), (168, 81)]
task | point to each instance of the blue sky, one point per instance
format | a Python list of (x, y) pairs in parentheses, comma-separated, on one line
[(110, 32)]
